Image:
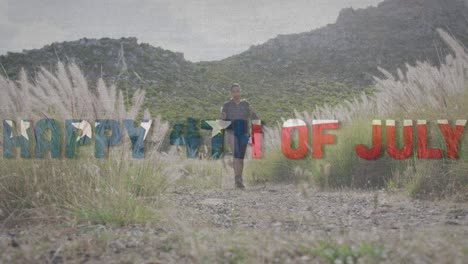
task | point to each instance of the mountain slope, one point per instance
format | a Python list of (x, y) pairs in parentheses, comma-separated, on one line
[(349, 51), (112, 59), (296, 71)]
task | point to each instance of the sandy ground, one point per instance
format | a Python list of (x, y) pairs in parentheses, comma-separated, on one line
[(271, 224)]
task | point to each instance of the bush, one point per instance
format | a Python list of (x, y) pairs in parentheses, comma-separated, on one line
[(422, 92)]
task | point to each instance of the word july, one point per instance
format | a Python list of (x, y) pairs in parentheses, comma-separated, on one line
[(451, 138)]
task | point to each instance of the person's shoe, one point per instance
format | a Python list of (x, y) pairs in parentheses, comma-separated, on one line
[(239, 184)]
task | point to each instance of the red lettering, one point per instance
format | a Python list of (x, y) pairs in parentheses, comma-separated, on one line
[(452, 137), (376, 148), (407, 140), (423, 151), (318, 139), (301, 149)]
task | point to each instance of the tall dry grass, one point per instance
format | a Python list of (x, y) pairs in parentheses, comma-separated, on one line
[(421, 91), (115, 190)]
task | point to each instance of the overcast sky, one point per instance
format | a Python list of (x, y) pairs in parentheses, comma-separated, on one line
[(202, 30)]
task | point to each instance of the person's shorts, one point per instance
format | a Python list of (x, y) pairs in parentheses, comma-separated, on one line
[(239, 144)]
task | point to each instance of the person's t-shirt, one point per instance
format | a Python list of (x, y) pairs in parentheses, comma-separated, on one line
[(238, 114)]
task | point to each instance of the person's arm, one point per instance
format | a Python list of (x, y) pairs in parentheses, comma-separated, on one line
[(223, 114)]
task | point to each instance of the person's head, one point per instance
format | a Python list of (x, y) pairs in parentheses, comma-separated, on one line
[(235, 91)]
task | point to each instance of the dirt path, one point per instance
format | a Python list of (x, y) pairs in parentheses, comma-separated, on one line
[(262, 224), (300, 209)]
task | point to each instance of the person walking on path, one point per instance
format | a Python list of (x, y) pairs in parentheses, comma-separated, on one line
[(238, 112)]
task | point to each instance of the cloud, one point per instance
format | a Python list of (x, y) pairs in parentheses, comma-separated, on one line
[(34, 35), (25, 34)]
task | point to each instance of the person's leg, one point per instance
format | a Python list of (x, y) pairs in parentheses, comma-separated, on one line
[(238, 163), (239, 166), (230, 140), (239, 153)]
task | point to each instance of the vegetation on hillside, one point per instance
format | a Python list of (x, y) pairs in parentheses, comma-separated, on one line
[(287, 73)]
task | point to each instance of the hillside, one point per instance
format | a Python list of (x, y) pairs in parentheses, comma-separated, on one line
[(347, 54), (288, 72)]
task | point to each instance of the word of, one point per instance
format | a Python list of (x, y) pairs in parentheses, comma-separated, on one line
[(318, 138)]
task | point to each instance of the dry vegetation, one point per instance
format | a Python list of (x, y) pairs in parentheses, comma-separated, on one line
[(166, 208), (422, 92)]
